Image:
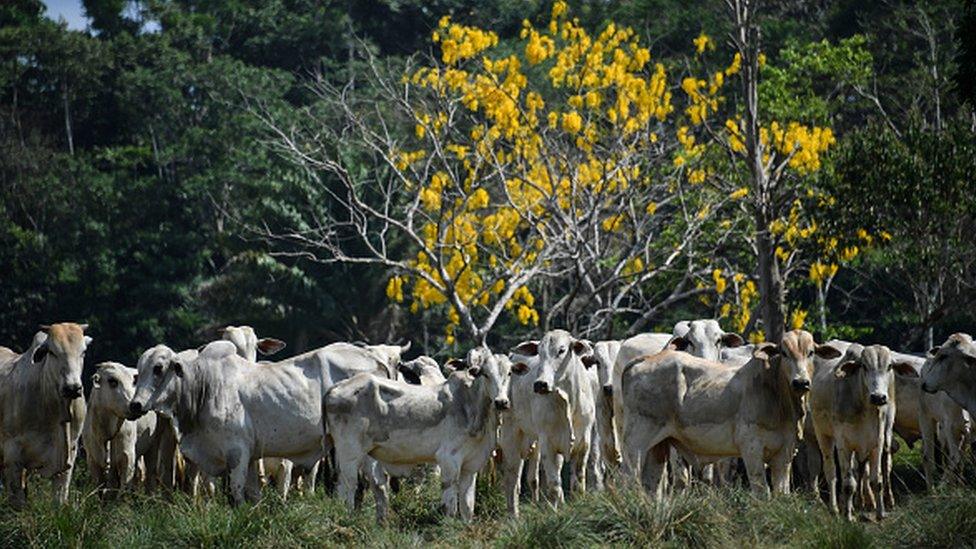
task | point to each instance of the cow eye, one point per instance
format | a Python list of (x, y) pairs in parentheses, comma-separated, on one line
[(113, 383), (158, 370)]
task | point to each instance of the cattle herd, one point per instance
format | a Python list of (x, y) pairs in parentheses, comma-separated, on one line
[(658, 409)]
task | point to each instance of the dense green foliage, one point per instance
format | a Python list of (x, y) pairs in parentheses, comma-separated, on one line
[(131, 169)]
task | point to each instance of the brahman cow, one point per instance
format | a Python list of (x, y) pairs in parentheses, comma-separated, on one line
[(247, 342), (453, 425), (853, 408), (230, 412), (42, 409), (555, 399), (114, 444), (711, 410)]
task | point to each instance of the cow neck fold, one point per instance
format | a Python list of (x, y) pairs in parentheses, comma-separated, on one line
[(470, 395), (193, 394)]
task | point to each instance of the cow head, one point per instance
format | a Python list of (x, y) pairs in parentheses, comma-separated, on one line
[(872, 367), (951, 367), (703, 338), (604, 356), (494, 369), (422, 370), (247, 343), (558, 354), (796, 352), (153, 369), (114, 385), (60, 349)]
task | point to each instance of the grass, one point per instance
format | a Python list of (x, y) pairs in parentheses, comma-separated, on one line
[(699, 517)]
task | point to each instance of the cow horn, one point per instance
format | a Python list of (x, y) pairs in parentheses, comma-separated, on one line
[(406, 346), (45, 328), (83, 326)]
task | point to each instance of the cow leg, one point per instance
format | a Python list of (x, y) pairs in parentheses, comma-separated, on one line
[(552, 466), (252, 485), (680, 471), (238, 481), (953, 434), (779, 468), (13, 480), (595, 469), (348, 461), (284, 480), (167, 454), (876, 469), (380, 482), (814, 463), (865, 472), (579, 460), (532, 465), (61, 483), (466, 490), (752, 455), (450, 473), (512, 468), (844, 457), (829, 470), (96, 457), (889, 494)]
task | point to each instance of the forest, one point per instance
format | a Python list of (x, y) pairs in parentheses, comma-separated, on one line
[(162, 181)]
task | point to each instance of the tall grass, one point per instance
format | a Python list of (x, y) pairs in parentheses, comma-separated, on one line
[(624, 516)]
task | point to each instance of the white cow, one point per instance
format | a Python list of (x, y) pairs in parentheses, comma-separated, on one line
[(173, 469), (559, 417), (853, 408), (453, 425), (230, 412), (422, 370), (114, 444), (952, 369), (710, 410), (42, 409), (247, 343)]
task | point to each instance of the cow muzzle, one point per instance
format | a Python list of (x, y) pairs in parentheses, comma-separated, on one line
[(608, 391), (135, 410), (502, 404), (801, 385), (879, 400), (71, 391), (542, 387)]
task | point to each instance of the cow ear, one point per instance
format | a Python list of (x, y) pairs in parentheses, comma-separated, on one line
[(269, 345), (582, 347), (454, 365), (177, 368), (934, 350), (475, 371), (732, 340), (40, 353), (904, 369), (527, 348), (135, 378), (765, 351), (679, 343), (827, 352), (96, 380), (589, 360), (520, 368), (46, 328), (847, 368)]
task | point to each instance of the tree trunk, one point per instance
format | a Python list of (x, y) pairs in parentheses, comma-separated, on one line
[(67, 118), (771, 291)]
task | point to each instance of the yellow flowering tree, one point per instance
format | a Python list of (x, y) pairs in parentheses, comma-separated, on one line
[(490, 176), (738, 141)]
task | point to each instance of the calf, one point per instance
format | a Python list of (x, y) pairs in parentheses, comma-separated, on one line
[(710, 410), (113, 443), (453, 425), (42, 409), (853, 408)]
